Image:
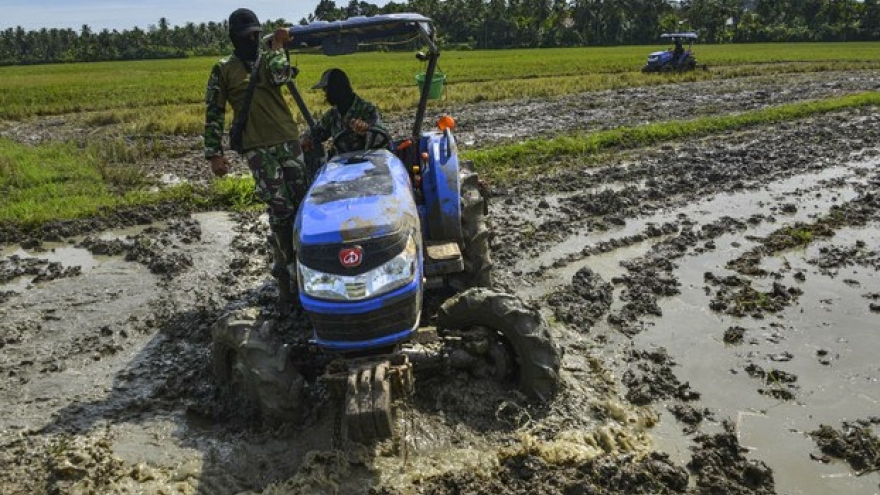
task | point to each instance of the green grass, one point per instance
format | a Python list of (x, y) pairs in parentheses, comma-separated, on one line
[(539, 155), (47, 182), (747, 300), (166, 96), (235, 192), (151, 99), (62, 181), (799, 236)]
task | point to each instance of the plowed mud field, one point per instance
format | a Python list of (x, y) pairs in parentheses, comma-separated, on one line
[(717, 300)]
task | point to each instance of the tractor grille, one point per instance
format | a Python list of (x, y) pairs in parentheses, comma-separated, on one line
[(388, 320), (325, 257)]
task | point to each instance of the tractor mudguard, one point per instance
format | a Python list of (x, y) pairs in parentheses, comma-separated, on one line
[(440, 184)]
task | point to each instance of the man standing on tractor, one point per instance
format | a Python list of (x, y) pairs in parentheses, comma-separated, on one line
[(250, 80), (354, 123), (677, 52)]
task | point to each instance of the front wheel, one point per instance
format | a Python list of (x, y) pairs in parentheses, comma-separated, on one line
[(519, 344), (254, 369)]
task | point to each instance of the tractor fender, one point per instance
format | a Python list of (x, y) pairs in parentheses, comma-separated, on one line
[(441, 185)]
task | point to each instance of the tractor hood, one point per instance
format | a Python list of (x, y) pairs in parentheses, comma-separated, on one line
[(356, 197), (660, 56)]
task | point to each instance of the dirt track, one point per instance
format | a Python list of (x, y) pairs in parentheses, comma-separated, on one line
[(718, 301)]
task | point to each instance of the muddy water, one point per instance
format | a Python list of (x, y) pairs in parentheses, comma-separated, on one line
[(832, 317), (828, 340), (739, 205), (67, 254)]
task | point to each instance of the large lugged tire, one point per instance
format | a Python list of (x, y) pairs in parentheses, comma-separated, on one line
[(522, 328), (475, 233), (254, 368)]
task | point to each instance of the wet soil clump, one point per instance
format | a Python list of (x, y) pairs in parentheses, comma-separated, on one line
[(650, 378), (720, 467), (584, 302), (855, 442)]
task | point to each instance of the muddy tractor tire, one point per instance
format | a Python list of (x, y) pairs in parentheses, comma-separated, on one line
[(255, 370), (521, 329), (475, 232)]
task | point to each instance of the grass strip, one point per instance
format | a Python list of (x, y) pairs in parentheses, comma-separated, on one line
[(539, 156), (60, 181)]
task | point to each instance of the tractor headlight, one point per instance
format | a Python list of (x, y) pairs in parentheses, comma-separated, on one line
[(392, 275)]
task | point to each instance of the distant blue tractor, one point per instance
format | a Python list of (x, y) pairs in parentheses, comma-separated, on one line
[(676, 59), (376, 231)]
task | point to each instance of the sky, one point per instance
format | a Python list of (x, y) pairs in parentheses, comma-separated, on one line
[(126, 14)]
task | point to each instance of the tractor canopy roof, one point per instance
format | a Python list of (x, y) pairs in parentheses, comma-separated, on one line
[(344, 36), (684, 36)]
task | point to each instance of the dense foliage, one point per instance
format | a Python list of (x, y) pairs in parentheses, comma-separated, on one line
[(490, 24)]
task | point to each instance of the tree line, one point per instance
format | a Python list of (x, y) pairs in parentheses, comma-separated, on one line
[(488, 24)]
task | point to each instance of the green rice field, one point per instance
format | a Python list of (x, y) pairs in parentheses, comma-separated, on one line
[(165, 97), (168, 94)]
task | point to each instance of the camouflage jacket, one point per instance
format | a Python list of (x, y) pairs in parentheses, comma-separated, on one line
[(269, 121), (333, 122)]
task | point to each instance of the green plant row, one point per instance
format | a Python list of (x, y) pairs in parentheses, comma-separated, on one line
[(542, 155)]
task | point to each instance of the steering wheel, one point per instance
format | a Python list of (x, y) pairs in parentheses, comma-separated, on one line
[(344, 136)]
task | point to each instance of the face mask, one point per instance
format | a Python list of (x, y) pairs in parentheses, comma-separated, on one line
[(339, 93), (247, 48)]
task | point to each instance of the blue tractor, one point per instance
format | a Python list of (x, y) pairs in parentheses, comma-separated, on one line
[(377, 234), (676, 59)]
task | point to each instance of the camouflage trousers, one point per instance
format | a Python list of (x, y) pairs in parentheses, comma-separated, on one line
[(281, 179)]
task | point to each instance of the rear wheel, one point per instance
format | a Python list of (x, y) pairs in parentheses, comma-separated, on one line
[(254, 369), (518, 347), (475, 232)]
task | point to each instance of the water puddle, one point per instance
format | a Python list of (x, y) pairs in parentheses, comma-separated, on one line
[(831, 319), (742, 205), (66, 254), (827, 339)]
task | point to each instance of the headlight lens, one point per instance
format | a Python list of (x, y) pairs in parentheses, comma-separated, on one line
[(394, 274)]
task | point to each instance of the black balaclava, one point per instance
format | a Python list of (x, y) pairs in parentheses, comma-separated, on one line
[(339, 92), (242, 23)]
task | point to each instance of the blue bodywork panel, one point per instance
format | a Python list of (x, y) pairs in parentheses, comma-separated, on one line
[(440, 184), (366, 344), (359, 310), (659, 58), (357, 196), (362, 199)]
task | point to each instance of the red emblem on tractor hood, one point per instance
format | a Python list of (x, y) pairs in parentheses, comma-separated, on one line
[(351, 257)]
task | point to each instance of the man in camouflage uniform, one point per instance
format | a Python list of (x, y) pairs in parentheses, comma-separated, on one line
[(270, 139), (349, 112)]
